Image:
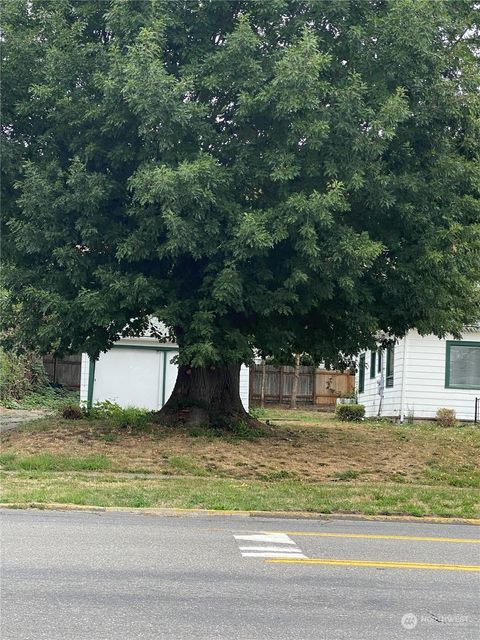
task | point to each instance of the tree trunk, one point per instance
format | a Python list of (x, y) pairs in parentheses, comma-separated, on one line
[(206, 396), (296, 376)]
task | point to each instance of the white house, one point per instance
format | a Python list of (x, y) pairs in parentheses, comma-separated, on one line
[(136, 372), (420, 375)]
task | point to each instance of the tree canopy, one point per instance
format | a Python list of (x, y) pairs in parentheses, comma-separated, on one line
[(292, 176)]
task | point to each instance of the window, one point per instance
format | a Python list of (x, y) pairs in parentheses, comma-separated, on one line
[(379, 361), (390, 366), (361, 374), (462, 370), (372, 364)]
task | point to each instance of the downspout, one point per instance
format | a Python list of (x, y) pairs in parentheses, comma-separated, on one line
[(404, 378), (91, 382), (161, 360)]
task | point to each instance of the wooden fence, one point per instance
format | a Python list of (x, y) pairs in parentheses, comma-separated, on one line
[(65, 371), (315, 386)]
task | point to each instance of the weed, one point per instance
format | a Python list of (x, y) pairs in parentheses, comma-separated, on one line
[(410, 418), (72, 412), (349, 474), (258, 412), (7, 459), (185, 465), (20, 374), (281, 474), (243, 431), (139, 501), (54, 398), (54, 462), (119, 417), (204, 432)]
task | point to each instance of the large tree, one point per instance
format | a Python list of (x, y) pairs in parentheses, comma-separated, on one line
[(287, 175)]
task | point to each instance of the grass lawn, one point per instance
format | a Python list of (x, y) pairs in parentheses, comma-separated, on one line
[(308, 462)]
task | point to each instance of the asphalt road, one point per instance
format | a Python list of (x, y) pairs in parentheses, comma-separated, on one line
[(109, 576)]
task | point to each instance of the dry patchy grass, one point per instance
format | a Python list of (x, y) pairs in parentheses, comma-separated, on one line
[(305, 446)]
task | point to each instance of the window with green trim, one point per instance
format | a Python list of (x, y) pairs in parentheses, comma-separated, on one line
[(462, 365), (379, 361), (373, 355), (361, 374), (389, 366)]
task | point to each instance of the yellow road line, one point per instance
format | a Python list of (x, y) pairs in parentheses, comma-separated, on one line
[(378, 536), (373, 563)]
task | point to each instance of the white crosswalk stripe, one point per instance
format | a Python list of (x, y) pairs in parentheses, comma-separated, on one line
[(278, 538), (274, 545)]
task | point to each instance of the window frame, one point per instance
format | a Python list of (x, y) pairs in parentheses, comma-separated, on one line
[(390, 367), (361, 374), (448, 348), (373, 362)]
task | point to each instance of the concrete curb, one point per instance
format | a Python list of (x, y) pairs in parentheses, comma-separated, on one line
[(291, 515)]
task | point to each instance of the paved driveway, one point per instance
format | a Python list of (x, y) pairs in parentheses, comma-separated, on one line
[(116, 576), (12, 418)]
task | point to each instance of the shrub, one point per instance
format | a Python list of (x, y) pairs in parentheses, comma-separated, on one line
[(132, 417), (103, 409), (350, 412), (258, 412), (20, 374), (72, 412), (446, 418)]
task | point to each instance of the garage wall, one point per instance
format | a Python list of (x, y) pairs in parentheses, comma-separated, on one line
[(137, 373)]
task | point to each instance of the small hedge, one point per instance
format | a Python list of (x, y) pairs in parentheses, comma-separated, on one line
[(446, 418), (350, 412)]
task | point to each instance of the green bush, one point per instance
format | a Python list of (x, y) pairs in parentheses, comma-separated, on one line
[(20, 374), (54, 398), (350, 412), (131, 417), (258, 412), (446, 418)]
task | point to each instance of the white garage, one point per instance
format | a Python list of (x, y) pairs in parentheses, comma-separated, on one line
[(136, 372)]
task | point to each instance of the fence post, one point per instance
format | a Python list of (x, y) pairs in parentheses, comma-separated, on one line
[(296, 376), (262, 387)]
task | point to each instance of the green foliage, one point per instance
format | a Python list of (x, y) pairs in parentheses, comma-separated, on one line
[(350, 412), (24, 383), (54, 398), (243, 431), (258, 412), (446, 418), (290, 176), (20, 374), (54, 462), (185, 465), (128, 417), (348, 474)]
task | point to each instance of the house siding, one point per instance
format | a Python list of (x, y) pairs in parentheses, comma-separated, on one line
[(391, 395), (424, 382), (84, 379)]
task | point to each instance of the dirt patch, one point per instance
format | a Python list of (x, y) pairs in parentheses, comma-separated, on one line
[(326, 451)]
